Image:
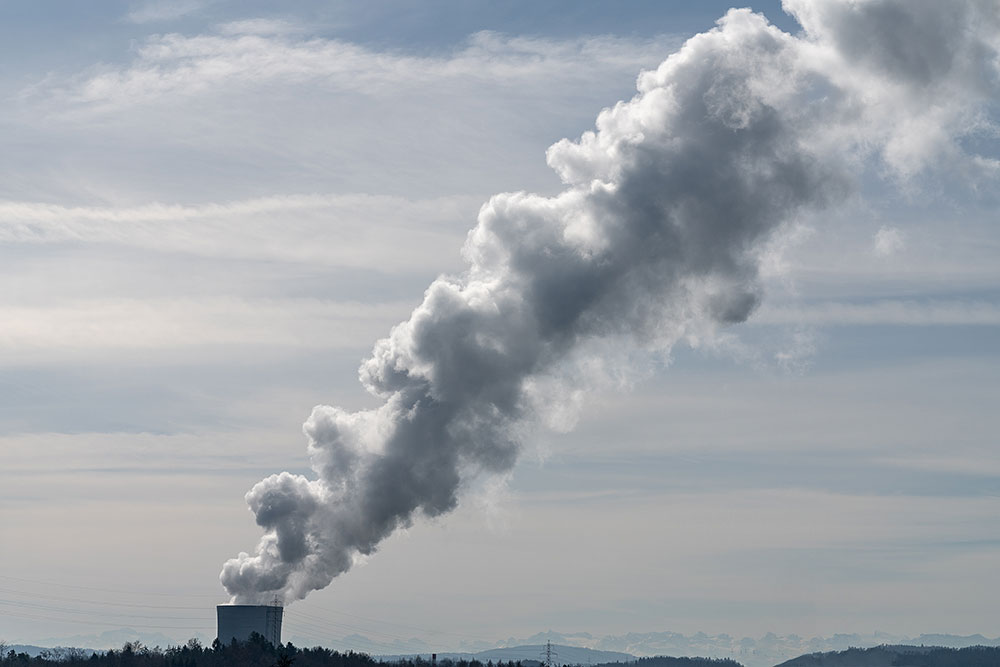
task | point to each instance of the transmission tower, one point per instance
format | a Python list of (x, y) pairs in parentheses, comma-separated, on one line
[(273, 619), (548, 654)]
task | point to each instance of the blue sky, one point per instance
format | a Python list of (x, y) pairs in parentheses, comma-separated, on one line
[(209, 211)]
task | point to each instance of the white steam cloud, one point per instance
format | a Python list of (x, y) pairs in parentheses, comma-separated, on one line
[(659, 233)]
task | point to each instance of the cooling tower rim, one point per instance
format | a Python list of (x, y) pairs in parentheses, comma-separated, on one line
[(249, 606)]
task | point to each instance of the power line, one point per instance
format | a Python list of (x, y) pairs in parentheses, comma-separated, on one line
[(63, 610), (78, 621), (107, 590), (318, 623), (93, 602), (398, 625), (107, 607)]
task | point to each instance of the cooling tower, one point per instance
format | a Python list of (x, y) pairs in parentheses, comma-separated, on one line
[(239, 621)]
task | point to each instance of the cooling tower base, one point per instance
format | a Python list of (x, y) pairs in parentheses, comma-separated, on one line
[(239, 621)]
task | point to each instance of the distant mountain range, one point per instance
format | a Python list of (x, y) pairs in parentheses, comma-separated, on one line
[(766, 651), (581, 647), (55, 652), (564, 655), (116, 638)]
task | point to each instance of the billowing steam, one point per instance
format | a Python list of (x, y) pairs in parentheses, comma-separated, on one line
[(658, 234)]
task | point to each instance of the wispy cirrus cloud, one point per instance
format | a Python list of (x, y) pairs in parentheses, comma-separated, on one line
[(262, 26), (343, 230), (906, 312), (261, 51), (261, 105), (123, 324), (153, 11)]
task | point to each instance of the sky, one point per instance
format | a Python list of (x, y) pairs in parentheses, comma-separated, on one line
[(211, 210)]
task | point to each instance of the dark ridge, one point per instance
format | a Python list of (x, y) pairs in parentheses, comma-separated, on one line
[(664, 661), (902, 656)]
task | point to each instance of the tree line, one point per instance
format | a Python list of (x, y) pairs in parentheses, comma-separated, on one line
[(256, 652), (664, 661), (902, 656)]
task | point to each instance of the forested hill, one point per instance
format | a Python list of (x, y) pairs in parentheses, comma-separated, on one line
[(663, 661), (902, 656)]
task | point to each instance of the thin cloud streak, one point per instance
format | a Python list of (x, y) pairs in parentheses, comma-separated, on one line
[(308, 228), (149, 324), (253, 53), (883, 312), (153, 11)]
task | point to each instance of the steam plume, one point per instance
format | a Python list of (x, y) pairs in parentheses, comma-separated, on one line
[(657, 234)]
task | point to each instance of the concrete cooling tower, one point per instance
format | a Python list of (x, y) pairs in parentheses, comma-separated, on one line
[(239, 621)]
